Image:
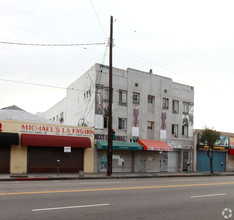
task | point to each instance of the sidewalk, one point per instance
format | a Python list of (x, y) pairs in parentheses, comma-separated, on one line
[(86, 176)]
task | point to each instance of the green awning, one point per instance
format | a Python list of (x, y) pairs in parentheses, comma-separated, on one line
[(118, 145)]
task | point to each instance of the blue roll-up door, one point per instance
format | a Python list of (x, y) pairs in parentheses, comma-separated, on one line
[(203, 161)]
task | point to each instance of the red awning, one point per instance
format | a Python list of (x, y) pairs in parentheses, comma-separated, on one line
[(155, 145), (54, 141)]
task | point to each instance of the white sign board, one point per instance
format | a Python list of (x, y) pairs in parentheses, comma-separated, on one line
[(67, 149)]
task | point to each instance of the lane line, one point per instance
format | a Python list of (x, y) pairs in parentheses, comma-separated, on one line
[(112, 189), (91, 183), (70, 207), (200, 196)]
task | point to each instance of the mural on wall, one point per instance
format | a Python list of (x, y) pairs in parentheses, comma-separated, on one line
[(190, 118), (99, 100), (163, 120), (187, 121), (103, 162), (135, 121), (222, 142)]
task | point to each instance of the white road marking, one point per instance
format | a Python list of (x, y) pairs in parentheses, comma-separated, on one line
[(221, 194), (185, 180), (90, 183), (70, 207)]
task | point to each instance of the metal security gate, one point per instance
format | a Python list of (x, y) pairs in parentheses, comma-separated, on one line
[(203, 161), (173, 161), (44, 160), (5, 159)]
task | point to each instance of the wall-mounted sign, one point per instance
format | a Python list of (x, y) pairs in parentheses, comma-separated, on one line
[(56, 130), (67, 149), (0, 127)]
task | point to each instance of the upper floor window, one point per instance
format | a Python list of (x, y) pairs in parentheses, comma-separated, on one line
[(150, 99), (106, 93), (185, 107), (122, 123), (122, 97), (174, 130), (165, 103), (150, 125), (185, 130), (175, 106), (136, 98)]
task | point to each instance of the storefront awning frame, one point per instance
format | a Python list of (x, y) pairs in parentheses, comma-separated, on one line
[(7, 139), (154, 145), (119, 145)]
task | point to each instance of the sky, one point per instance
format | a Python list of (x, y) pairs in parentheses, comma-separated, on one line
[(190, 41)]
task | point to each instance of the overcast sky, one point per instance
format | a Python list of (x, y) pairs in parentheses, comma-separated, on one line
[(190, 41)]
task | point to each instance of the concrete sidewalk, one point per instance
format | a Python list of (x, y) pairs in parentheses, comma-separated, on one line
[(76, 176)]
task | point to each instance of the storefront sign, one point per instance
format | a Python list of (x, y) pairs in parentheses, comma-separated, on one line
[(56, 130), (0, 127), (67, 149)]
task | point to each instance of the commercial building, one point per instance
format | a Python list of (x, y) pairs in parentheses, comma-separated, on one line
[(152, 118), (223, 153), (30, 144)]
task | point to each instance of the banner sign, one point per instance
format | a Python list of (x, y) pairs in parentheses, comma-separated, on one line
[(56, 130)]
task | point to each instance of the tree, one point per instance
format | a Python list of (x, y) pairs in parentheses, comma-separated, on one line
[(209, 137)]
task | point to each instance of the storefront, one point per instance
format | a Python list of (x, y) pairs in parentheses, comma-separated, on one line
[(39, 147), (123, 155), (221, 149), (157, 155)]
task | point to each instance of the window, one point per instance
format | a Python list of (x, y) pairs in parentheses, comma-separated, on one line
[(136, 98), (122, 97), (150, 125), (174, 130), (105, 122), (150, 99), (175, 106), (185, 130), (165, 103), (106, 93), (136, 84), (122, 123), (185, 107)]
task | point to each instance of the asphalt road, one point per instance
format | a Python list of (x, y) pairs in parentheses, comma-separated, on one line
[(156, 198)]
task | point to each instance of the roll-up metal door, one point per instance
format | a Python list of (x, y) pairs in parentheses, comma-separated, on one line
[(44, 159), (203, 161), (173, 161), (5, 159)]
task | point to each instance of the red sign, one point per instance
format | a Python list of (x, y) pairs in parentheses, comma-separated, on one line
[(0, 127)]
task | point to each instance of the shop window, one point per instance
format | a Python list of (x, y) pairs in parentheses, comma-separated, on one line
[(122, 97), (174, 130), (136, 98), (175, 106), (150, 99), (165, 103), (122, 123)]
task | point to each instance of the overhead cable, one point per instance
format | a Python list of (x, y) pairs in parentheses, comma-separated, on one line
[(50, 45)]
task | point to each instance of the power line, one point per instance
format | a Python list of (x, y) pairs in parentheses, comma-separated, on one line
[(98, 18), (50, 45), (43, 85)]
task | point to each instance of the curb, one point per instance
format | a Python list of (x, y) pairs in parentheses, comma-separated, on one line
[(110, 177)]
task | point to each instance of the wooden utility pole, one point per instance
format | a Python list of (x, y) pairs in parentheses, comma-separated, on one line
[(109, 153)]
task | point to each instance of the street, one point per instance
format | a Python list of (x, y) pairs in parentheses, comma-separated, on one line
[(143, 198)]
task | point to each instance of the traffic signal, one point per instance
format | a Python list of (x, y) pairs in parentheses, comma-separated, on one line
[(113, 134)]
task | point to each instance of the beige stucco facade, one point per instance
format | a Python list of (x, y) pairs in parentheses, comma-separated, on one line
[(19, 153)]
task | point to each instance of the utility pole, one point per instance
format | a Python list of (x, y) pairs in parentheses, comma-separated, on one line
[(109, 153)]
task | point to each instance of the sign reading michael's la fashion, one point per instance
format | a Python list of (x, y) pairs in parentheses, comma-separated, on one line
[(56, 130)]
